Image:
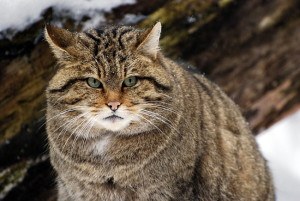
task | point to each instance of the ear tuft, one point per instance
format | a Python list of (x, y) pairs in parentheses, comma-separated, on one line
[(60, 40), (150, 43)]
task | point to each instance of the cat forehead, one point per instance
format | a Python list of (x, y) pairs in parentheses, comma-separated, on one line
[(113, 49), (117, 38), (112, 45)]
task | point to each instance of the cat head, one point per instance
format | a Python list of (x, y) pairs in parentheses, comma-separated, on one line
[(108, 80)]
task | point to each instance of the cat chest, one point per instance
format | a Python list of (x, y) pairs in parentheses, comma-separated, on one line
[(100, 147), (88, 191)]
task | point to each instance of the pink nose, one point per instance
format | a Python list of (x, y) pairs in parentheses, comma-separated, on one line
[(113, 105)]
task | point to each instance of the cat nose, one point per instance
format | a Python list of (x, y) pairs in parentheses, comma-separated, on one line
[(113, 105)]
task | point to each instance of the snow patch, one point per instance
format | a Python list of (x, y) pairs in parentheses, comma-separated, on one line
[(16, 15), (132, 19), (280, 145)]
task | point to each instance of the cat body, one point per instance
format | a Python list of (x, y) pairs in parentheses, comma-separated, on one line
[(125, 123)]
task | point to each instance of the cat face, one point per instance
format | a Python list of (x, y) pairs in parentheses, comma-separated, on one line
[(109, 80)]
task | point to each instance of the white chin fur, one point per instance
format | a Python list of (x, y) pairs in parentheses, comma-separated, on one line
[(116, 124)]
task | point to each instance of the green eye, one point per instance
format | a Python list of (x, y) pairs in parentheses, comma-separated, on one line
[(130, 81), (92, 82)]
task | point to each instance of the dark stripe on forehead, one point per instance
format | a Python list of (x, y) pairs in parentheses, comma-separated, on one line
[(106, 45), (114, 31), (92, 37), (121, 35), (67, 85), (96, 44), (157, 85), (98, 70), (103, 63), (203, 86), (114, 53), (122, 58), (99, 32)]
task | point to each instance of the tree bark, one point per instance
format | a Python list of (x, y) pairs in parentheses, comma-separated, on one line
[(249, 48)]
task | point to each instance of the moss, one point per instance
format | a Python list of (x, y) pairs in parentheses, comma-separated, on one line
[(183, 20), (23, 108), (223, 3), (285, 13), (11, 177)]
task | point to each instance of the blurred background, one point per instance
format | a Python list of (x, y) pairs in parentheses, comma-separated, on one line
[(250, 48)]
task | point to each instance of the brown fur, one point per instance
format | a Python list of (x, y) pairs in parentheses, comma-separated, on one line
[(186, 140)]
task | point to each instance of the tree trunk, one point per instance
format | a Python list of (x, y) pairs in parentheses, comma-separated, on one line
[(249, 48)]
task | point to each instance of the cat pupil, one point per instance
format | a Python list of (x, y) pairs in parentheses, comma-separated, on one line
[(92, 82)]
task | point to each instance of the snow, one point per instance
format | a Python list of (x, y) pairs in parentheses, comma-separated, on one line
[(280, 145), (18, 14), (132, 19)]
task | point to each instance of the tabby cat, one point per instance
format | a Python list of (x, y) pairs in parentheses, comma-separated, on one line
[(126, 123)]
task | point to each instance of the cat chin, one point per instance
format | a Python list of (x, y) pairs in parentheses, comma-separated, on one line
[(119, 123), (127, 127), (114, 125)]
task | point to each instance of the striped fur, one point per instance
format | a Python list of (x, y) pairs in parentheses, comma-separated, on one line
[(175, 135)]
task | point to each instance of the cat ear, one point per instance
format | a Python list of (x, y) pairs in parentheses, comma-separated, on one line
[(61, 41), (150, 42)]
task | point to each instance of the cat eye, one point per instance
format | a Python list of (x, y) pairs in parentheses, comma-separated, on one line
[(92, 82), (130, 81)]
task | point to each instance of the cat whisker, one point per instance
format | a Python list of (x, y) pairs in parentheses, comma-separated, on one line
[(170, 97), (160, 118), (158, 101), (162, 107), (77, 108), (67, 126), (161, 102), (61, 113), (166, 108), (86, 135), (175, 143), (150, 122), (56, 102), (86, 127), (73, 133)]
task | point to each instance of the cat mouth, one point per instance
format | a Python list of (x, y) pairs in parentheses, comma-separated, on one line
[(113, 118)]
